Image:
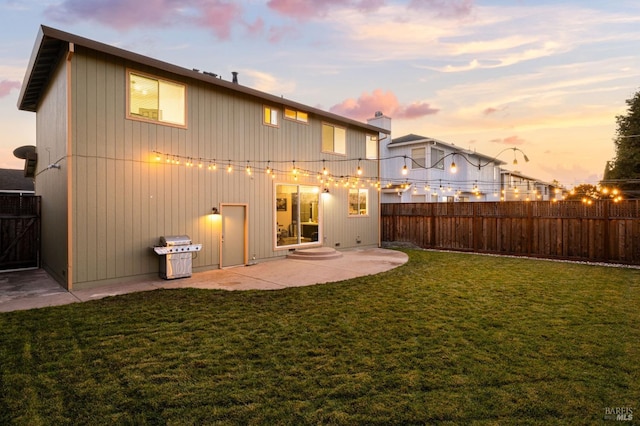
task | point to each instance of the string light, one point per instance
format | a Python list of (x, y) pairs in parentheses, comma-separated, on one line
[(324, 176)]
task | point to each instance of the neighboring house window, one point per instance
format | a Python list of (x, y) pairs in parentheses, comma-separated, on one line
[(419, 162), (157, 100), (334, 139), (270, 116), (297, 215), (437, 158), (358, 202), (371, 148), (291, 114)]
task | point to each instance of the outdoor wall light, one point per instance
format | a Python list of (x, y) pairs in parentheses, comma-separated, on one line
[(214, 210), (325, 190)]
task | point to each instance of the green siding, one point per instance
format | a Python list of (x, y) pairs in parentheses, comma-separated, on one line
[(124, 200), (51, 184)]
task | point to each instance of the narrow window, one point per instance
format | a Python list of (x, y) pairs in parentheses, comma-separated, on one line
[(358, 202), (334, 139), (157, 100), (437, 158), (419, 160), (371, 149), (270, 116)]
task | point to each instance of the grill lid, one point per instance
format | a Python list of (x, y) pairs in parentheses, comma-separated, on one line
[(175, 240)]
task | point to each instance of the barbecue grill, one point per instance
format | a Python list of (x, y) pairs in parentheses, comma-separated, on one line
[(176, 254)]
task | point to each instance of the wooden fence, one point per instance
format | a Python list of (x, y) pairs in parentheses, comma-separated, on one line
[(603, 231), (19, 232)]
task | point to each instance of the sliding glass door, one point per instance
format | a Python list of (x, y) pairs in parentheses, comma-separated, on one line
[(297, 215)]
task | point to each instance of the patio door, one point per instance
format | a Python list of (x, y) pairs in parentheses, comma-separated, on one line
[(233, 242)]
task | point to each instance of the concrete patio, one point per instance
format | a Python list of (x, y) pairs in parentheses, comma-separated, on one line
[(36, 289)]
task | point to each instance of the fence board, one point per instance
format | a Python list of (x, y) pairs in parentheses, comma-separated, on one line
[(603, 231), (19, 232)]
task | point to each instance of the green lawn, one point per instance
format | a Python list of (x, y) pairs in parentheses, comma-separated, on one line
[(447, 338)]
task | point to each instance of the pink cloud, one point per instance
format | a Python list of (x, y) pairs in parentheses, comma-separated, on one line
[(444, 8), (217, 15), (308, 9), (511, 140), (276, 34), (6, 86), (416, 110), (489, 111), (120, 14), (367, 104), (256, 28)]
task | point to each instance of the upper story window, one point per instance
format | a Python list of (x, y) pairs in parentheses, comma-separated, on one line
[(358, 202), (301, 116), (157, 100), (334, 139), (419, 160), (371, 148), (270, 116), (437, 158)]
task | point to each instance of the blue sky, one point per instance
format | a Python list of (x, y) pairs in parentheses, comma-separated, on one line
[(547, 77)]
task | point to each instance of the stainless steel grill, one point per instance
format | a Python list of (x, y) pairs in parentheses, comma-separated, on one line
[(176, 256)]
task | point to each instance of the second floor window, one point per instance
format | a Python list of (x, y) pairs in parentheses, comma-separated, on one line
[(371, 149), (418, 157), (334, 139), (296, 115), (437, 158), (154, 99), (270, 116)]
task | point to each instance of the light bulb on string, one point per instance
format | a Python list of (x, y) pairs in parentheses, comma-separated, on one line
[(229, 167)]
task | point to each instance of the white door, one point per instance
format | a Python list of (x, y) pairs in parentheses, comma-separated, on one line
[(233, 250)]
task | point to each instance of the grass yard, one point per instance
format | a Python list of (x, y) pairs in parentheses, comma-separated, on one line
[(447, 338)]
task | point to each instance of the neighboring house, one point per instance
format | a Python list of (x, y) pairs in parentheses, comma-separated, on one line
[(422, 169), (13, 182), (518, 187), (141, 149)]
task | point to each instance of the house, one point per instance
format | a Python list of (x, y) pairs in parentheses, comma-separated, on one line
[(140, 149), (423, 169), (516, 186), (13, 182)]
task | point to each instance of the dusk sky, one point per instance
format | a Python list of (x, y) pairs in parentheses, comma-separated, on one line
[(547, 77)]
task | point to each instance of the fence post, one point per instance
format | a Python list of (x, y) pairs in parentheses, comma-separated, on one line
[(605, 214), (530, 227)]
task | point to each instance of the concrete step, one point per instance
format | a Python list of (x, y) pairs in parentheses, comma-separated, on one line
[(319, 253)]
